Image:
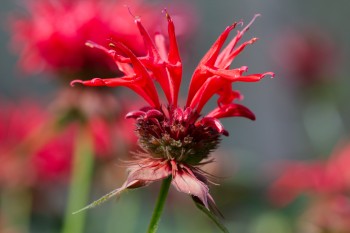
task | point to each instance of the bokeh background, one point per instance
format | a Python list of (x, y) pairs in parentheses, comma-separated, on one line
[(302, 115)]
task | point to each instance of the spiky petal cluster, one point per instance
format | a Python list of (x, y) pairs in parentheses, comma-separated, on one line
[(176, 140)]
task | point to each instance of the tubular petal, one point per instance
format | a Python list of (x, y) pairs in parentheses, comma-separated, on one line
[(213, 123), (175, 64), (156, 64), (231, 110), (199, 76), (134, 114), (235, 40), (226, 61)]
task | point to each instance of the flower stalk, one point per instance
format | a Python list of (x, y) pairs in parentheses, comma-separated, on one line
[(163, 193), (80, 182)]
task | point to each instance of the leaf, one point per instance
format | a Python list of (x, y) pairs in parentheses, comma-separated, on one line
[(100, 201), (212, 216)]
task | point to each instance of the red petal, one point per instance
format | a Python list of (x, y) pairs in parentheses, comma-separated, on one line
[(228, 49), (137, 85), (227, 60), (135, 114), (213, 123), (174, 55), (214, 66), (155, 63), (227, 96), (92, 44), (235, 75), (151, 49), (186, 182), (175, 65), (154, 113), (199, 76), (232, 110)]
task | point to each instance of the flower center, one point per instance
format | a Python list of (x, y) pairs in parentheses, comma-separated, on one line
[(176, 134)]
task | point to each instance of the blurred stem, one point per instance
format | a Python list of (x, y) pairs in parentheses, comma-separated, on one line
[(163, 193), (16, 209), (80, 182)]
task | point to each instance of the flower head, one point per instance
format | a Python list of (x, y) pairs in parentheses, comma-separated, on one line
[(29, 154), (53, 34), (35, 148), (176, 141), (316, 178), (326, 184)]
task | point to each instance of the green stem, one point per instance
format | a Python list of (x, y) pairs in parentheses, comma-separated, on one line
[(163, 193), (80, 182)]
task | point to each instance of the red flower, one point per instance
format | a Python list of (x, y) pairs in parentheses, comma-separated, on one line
[(329, 214), (15, 129), (316, 178), (34, 150), (177, 141), (53, 35), (28, 152)]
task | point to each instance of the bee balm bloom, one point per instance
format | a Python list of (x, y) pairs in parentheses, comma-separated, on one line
[(176, 140), (53, 33)]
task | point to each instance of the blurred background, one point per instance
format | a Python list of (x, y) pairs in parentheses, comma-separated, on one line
[(285, 172)]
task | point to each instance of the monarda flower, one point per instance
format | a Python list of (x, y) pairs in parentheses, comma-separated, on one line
[(29, 154), (326, 184), (315, 178), (52, 34), (176, 141)]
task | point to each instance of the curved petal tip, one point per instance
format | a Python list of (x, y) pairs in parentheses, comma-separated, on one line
[(165, 11), (272, 74), (72, 84)]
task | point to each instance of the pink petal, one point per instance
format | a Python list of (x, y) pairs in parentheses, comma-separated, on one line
[(150, 172), (185, 181)]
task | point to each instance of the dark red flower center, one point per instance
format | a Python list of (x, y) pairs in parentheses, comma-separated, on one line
[(176, 134)]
